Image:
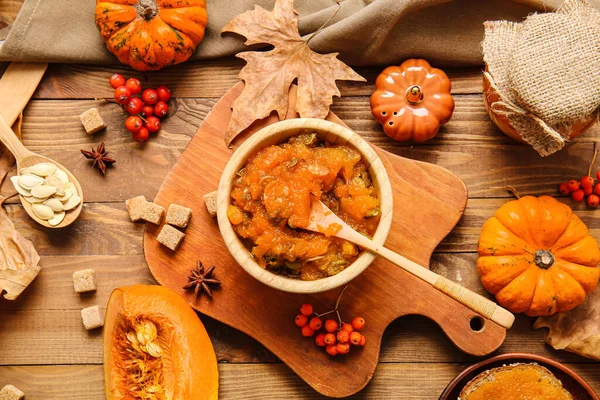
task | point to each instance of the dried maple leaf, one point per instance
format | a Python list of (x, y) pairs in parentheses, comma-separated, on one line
[(268, 75), (577, 330)]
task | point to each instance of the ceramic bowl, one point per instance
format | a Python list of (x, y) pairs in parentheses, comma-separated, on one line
[(278, 133), (575, 384)]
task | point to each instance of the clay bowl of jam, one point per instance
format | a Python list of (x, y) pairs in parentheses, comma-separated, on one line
[(264, 199), (570, 380)]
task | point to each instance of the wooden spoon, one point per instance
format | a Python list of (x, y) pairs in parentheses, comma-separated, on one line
[(26, 158), (322, 219)]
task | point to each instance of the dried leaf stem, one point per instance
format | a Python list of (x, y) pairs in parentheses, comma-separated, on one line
[(593, 159), (339, 4)]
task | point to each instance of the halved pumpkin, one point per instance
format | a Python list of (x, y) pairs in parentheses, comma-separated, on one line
[(155, 347)]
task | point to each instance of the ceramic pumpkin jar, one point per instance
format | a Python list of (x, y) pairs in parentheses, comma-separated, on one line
[(490, 96), (412, 100), (536, 256), (151, 34)]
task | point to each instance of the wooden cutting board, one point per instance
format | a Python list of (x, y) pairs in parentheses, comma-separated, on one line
[(428, 202)]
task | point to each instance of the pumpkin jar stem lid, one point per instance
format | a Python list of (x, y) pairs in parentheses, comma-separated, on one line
[(544, 259), (414, 94), (147, 8)]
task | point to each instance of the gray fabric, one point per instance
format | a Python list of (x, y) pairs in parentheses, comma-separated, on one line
[(364, 31)]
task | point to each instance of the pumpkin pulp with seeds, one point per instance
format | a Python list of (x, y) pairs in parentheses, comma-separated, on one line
[(271, 200), (156, 348)]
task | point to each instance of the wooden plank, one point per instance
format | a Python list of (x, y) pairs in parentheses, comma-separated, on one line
[(17, 85), (48, 312), (210, 78), (246, 382), (48, 337), (9, 10), (105, 229), (102, 229), (464, 237), (470, 146)]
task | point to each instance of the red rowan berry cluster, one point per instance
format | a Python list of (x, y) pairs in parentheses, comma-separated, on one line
[(338, 336), (145, 110), (585, 188)]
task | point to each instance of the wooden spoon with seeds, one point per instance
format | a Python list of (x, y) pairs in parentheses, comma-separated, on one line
[(26, 159), (323, 220)]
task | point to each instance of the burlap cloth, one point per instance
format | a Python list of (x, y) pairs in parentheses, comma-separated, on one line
[(364, 31), (546, 71)]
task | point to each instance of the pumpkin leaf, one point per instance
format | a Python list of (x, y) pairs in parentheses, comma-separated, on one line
[(268, 75), (578, 330)]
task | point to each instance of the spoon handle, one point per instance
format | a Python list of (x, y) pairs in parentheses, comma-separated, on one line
[(474, 301), (10, 140)]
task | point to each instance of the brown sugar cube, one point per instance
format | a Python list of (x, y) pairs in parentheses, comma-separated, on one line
[(170, 237), (135, 207), (153, 213), (92, 121), (92, 318), (9, 392), (84, 281), (178, 216), (210, 199)]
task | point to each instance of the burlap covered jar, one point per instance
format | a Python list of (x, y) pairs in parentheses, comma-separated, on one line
[(542, 77)]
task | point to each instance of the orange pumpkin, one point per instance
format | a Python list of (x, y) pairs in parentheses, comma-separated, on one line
[(412, 101), (536, 256), (151, 34), (156, 347)]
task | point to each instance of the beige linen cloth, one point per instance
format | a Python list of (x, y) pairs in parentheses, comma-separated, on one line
[(365, 32)]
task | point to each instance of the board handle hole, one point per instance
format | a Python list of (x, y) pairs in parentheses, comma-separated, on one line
[(477, 323)]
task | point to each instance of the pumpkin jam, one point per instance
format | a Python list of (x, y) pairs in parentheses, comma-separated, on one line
[(520, 383), (271, 200)]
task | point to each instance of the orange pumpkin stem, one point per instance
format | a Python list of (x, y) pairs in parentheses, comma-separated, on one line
[(147, 9), (414, 94), (544, 259)]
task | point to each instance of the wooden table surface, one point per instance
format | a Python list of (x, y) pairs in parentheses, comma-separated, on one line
[(44, 349)]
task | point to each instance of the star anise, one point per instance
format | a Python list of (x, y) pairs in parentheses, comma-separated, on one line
[(100, 157), (201, 279)]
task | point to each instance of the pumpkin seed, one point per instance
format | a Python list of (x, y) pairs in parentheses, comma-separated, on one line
[(72, 202), (309, 139), (293, 265), (308, 260), (67, 195), (30, 181), (42, 211), (43, 169), (336, 267), (265, 179), (292, 163), (60, 174), (34, 200), (24, 171), (54, 204), (43, 191), (54, 181), (57, 219), (146, 332), (154, 349), (372, 213), (19, 188), (154, 388), (73, 189)]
